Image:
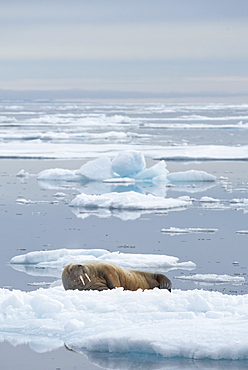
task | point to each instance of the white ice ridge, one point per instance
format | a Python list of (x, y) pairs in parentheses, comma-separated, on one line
[(213, 278), (193, 324), (126, 165), (129, 200), (61, 257), (63, 150), (189, 230)]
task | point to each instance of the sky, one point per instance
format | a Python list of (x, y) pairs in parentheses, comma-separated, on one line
[(180, 50)]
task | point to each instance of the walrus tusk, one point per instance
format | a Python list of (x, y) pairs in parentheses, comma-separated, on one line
[(87, 277), (82, 279)]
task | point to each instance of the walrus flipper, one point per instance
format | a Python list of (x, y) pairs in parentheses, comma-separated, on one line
[(110, 282), (110, 285), (164, 282)]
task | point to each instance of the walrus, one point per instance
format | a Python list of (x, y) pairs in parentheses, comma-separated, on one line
[(98, 275)]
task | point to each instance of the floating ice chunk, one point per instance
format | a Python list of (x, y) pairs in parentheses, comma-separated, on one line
[(242, 232), (209, 200), (128, 163), (98, 169), (190, 176), (4, 119), (213, 278), (156, 173), (54, 255), (24, 201), (177, 231), (243, 202), (58, 174), (60, 195), (128, 200), (61, 257), (22, 173)]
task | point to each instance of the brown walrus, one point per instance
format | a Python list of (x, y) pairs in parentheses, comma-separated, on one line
[(98, 275)]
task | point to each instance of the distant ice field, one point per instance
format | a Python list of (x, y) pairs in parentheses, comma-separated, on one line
[(56, 130)]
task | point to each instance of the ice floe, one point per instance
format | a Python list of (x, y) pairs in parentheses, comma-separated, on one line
[(128, 200), (203, 152), (44, 150), (22, 173), (58, 174), (212, 278), (127, 164), (192, 324), (59, 258), (242, 232), (191, 175), (189, 230), (26, 202)]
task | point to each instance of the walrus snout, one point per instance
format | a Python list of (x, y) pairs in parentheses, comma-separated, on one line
[(80, 273), (75, 276)]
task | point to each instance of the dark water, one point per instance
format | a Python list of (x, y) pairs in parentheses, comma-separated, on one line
[(52, 225)]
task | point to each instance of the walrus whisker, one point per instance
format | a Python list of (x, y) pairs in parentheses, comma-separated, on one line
[(87, 277), (82, 279)]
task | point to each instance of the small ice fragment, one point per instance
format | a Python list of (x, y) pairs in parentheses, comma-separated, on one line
[(242, 232), (213, 278), (190, 176), (177, 231), (22, 173)]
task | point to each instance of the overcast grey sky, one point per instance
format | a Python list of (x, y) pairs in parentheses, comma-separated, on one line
[(193, 49)]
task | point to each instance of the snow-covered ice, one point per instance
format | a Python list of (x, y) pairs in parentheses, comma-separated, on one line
[(191, 175), (22, 173), (212, 278), (189, 230), (59, 258), (24, 201), (128, 200), (45, 150), (58, 174), (68, 131), (193, 324)]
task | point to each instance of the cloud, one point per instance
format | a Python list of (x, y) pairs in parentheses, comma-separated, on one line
[(166, 41), (158, 47)]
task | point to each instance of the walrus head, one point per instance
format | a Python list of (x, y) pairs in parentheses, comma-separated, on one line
[(75, 277)]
